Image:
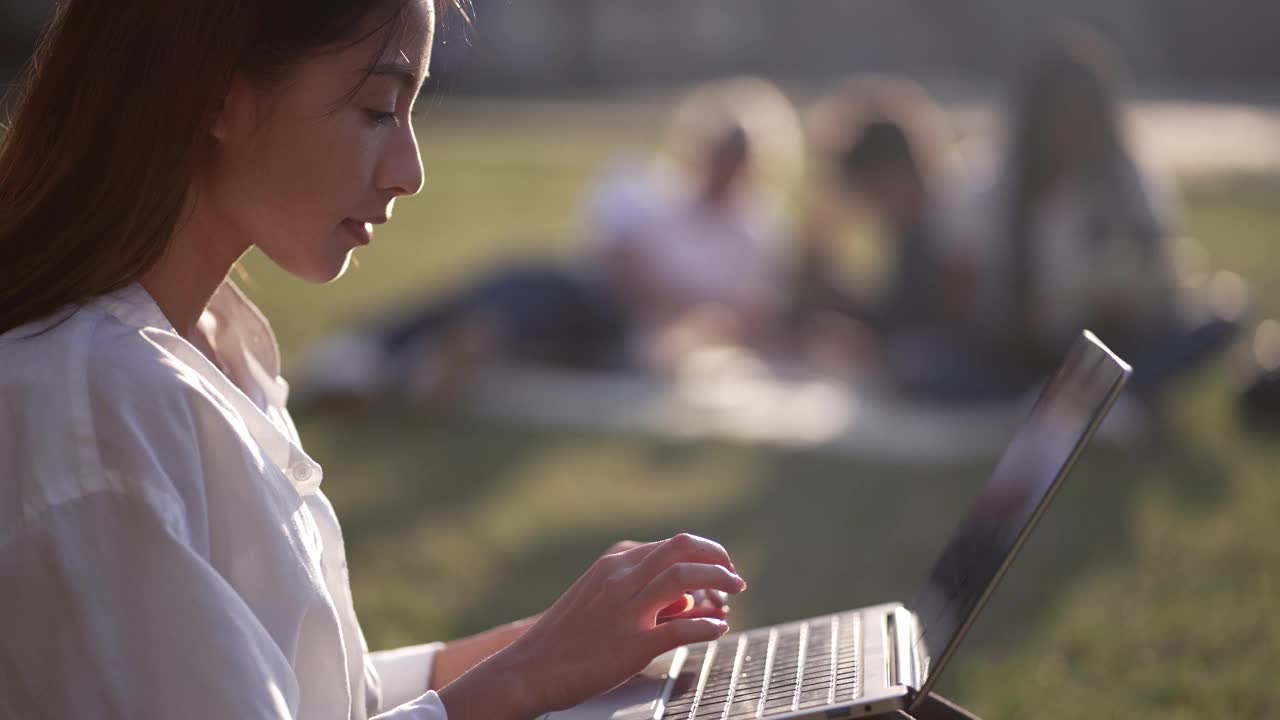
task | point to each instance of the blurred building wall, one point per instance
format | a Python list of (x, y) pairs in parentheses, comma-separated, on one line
[(539, 45)]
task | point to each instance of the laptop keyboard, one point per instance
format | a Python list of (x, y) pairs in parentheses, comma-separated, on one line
[(771, 671)]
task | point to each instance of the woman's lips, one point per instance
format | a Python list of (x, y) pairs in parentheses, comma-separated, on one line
[(361, 231)]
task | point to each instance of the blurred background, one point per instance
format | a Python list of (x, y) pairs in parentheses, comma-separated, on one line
[(787, 275)]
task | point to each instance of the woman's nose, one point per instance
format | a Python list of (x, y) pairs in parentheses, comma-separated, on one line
[(400, 172)]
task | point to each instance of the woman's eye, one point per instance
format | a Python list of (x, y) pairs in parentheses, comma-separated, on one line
[(379, 117)]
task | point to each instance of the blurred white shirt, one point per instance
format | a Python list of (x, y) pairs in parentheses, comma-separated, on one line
[(1079, 275), (165, 547), (703, 256)]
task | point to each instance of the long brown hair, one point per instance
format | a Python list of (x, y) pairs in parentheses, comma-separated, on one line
[(97, 165), (1072, 57)]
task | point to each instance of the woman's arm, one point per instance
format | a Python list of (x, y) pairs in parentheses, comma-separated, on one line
[(459, 656)]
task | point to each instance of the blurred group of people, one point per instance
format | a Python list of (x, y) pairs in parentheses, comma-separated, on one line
[(756, 227), (995, 272)]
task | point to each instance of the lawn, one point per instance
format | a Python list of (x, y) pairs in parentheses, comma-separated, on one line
[(1147, 592)]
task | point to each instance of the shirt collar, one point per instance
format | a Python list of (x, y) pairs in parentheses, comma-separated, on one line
[(133, 306), (244, 340)]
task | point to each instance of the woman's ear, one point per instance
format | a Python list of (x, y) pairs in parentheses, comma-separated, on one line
[(235, 116)]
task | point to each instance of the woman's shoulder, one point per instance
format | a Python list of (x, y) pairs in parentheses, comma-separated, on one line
[(94, 404), (90, 354)]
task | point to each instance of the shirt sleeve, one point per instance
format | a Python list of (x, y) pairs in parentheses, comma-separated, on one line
[(400, 675), (115, 616), (426, 707)]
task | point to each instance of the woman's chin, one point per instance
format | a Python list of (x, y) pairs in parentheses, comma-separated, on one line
[(322, 271)]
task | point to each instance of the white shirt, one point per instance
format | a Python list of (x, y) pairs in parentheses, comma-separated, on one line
[(1078, 277), (727, 257), (165, 550)]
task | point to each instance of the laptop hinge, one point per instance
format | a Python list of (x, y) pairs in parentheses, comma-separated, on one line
[(903, 665), (891, 649)]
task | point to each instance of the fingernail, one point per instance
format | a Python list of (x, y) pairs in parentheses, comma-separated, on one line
[(742, 584)]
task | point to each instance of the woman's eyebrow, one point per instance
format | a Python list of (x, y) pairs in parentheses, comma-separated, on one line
[(406, 73)]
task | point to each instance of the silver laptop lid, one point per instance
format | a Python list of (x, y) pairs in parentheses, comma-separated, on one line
[(1042, 452)]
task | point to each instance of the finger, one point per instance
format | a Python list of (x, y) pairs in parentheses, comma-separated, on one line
[(671, 635), (711, 598), (683, 605), (681, 548), (622, 546), (636, 552), (683, 577), (631, 554), (718, 613)]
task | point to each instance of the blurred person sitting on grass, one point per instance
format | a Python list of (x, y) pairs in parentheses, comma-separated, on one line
[(1075, 233), (882, 139), (678, 255), (173, 555), (690, 248), (523, 313)]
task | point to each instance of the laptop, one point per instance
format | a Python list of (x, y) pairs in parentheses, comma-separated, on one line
[(879, 659)]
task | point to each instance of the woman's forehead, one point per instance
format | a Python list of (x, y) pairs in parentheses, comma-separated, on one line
[(414, 43), (406, 52)]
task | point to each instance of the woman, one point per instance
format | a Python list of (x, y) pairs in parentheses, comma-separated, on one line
[(1075, 233), (889, 311), (880, 140), (175, 554)]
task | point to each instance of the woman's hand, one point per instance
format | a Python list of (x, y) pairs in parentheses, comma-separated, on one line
[(463, 654), (602, 631), (699, 603)]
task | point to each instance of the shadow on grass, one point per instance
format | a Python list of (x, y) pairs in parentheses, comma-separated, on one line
[(1090, 529), (821, 534), (813, 533)]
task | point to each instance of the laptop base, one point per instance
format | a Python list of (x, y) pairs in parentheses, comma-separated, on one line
[(933, 707)]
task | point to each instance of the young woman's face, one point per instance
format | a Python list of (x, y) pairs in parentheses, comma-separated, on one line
[(303, 169)]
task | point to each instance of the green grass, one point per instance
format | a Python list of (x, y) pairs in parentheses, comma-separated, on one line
[(1148, 592)]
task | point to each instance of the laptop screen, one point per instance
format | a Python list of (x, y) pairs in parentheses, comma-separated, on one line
[(1043, 449)]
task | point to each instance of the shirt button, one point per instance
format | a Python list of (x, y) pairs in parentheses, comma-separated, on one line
[(302, 472)]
